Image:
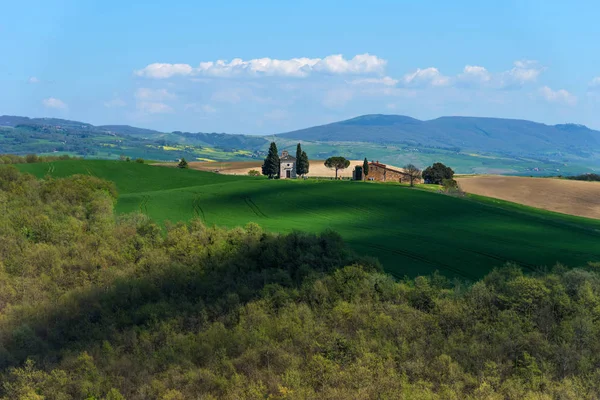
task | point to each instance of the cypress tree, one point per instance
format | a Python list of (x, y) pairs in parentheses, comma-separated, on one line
[(365, 167), (270, 167), (301, 162), (299, 169), (305, 163)]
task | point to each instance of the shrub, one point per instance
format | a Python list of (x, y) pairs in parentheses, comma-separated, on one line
[(450, 184), (31, 158), (437, 173), (139, 160), (254, 172), (183, 164)]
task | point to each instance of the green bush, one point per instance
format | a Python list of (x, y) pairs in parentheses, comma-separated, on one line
[(450, 184), (183, 164)]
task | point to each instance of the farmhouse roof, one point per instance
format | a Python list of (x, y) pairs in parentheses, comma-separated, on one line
[(384, 166)]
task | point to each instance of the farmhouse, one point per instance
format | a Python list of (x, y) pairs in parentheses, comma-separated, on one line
[(383, 173), (287, 166)]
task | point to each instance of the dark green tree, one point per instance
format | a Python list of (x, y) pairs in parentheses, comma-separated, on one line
[(365, 167), (305, 163), (413, 173), (298, 160), (183, 164), (270, 167), (337, 163), (437, 173), (358, 172), (301, 162)]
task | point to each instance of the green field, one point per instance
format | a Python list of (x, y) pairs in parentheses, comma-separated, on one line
[(410, 231)]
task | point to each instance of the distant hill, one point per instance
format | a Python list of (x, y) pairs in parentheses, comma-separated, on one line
[(13, 120), (23, 135), (468, 144), (464, 133), (128, 130)]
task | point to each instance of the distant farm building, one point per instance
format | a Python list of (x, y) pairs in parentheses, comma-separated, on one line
[(287, 166), (383, 173)]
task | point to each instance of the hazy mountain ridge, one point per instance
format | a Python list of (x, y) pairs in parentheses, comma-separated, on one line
[(467, 133)]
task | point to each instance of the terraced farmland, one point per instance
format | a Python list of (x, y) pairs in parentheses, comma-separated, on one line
[(411, 231)]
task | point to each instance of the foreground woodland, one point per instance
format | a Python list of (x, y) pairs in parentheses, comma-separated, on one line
[(94, 306)]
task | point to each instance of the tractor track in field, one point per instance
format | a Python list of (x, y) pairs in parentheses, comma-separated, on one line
[(422, 259), (198, 209), (255, 209)]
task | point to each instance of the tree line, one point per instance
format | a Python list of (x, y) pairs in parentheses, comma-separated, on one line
[(33, 158)]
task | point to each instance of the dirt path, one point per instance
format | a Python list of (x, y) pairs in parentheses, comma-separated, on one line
[(560, 195)]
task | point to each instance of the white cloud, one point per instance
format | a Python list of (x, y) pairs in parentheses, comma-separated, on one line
[(52, 102), (147, 94), (152, 101), (386, 80), (295, 67), (33, 79), (595, 83), (161, 71), (558, 96), (474, 74), (426, 77), (154, 107), (523, 72), (115, 103)]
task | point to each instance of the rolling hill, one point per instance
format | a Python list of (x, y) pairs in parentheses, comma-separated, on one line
[(464, 133), (410, 231), (468, 144)]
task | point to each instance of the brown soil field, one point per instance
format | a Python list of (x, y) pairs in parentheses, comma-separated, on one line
[(317, 169), (560, 195)]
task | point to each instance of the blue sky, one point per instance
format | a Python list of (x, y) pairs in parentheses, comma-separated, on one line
[(269, 67)]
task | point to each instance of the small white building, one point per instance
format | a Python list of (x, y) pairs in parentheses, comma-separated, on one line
[(287, 166)]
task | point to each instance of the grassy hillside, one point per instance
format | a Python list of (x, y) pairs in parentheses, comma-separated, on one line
[(410, 231)]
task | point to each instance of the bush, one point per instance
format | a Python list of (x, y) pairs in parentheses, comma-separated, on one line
[(586, 177), (450, 184), (31, 158), (254, 172), (437, 173), (183, 164), (139, 160)]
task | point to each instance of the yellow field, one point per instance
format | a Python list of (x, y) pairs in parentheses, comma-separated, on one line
[(560, 195)]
